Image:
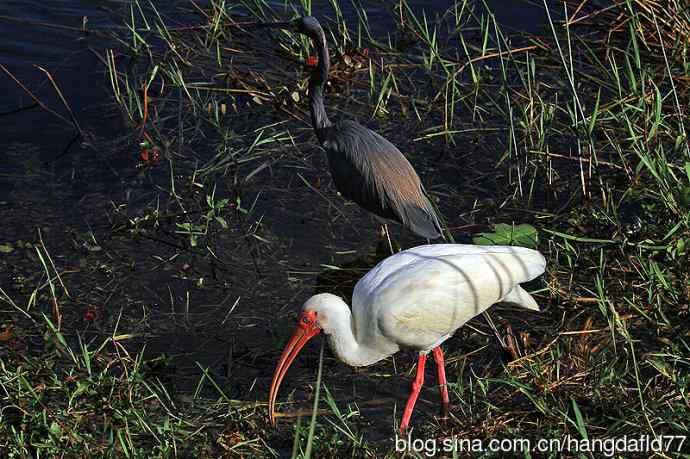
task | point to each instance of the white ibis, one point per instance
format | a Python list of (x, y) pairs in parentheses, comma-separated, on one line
[(365, 167), (415, 299)]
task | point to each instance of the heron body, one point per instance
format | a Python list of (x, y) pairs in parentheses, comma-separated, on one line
[(365, 167), (415, 299), (371, 171)]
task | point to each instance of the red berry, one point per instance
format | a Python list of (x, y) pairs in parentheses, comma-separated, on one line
[(90, 314), (312, 61)]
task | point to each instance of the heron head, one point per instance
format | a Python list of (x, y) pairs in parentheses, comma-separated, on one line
[(307, 25)]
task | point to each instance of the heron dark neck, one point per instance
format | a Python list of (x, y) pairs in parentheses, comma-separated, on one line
[(317, 85)]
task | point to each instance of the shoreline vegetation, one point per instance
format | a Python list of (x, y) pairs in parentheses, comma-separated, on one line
[(576, 137)]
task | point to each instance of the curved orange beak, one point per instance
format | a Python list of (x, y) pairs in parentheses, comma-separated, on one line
[(306, 330)]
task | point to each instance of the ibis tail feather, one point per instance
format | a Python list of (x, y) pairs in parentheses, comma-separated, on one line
[(520, 297)]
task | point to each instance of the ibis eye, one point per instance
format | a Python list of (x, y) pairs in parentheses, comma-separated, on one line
[(306, 320)]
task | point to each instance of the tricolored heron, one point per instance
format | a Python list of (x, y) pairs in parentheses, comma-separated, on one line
[(415, 299), (365, 167)]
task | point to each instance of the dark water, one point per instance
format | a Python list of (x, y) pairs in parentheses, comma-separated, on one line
[(40, 163), (72, 191)]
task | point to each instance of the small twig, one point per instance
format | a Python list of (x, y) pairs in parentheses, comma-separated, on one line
[(307, 412), (572, 21), (57, 26), (5, 297), (580, 159), (20, 109), (577, 10), (146, 112), (238, 25), (62, 98), (509, 52), (681, 117), (511, 342), (541, 351), (584, 332), (50, 259), (301, 412), (457, 358), (33, 96)]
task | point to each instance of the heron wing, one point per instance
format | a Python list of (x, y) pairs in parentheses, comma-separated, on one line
[(420, 296), (372, 172)]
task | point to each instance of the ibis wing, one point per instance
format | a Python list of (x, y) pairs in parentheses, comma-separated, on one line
[(372, 172), (530, 261), (429, 297)]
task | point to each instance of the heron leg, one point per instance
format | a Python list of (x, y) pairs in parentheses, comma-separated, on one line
[(442, 383), (414, 393)]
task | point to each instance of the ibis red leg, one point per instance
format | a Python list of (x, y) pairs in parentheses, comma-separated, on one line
[(416, 387), (442, 383)]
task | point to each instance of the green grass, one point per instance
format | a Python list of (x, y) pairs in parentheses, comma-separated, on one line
[(580, 133)]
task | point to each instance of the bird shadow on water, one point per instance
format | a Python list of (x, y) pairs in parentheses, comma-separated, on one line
[(341, 280)]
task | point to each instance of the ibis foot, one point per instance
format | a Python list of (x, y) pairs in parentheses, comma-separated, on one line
[(442, 382)]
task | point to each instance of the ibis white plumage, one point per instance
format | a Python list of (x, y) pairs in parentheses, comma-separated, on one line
[(415, 300)]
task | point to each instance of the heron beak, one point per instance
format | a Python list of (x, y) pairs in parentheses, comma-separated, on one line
[(306, 330), (289, 25)]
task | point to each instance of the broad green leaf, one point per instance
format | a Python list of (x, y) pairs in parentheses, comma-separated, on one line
[(523, 235)]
